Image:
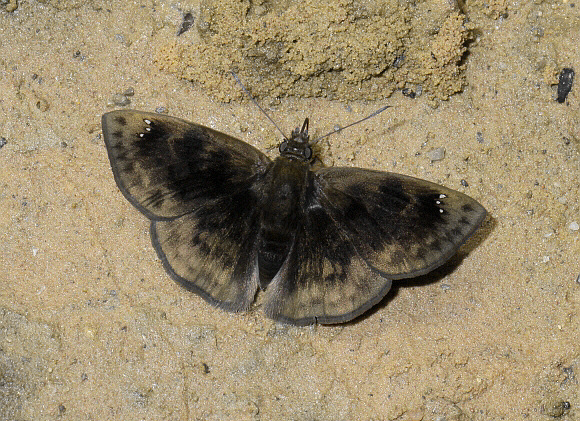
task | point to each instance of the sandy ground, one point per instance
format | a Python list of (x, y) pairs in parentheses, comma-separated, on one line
[(91, 327)]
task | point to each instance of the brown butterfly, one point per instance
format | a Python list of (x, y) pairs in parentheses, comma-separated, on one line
[(324, 245)]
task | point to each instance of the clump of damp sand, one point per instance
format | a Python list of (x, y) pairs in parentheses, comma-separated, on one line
[(344, 50)]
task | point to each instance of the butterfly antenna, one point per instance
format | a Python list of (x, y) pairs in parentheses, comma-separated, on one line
[(256, 103), (380, 110)]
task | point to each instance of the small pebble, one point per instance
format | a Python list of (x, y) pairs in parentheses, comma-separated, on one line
[(161, 110), (120, 100), (3, 142), (129, 91), (569, 372), (121, 39), (399, 61), (565, 84), (42, 104), (574, 226), (206, 369), (479, 137), (537, 32), (11, 5), (186, 23), (436, 154), (464, 183), (556, 408), (408, 92)]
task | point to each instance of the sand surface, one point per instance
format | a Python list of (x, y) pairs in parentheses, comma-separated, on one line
[(92, 328)]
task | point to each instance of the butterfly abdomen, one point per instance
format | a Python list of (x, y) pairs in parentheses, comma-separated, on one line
[(273, 248)]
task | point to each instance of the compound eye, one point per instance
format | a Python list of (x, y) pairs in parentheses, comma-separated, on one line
[(307, 153), (283, 147)]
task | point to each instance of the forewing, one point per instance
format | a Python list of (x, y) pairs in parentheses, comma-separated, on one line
[(167, 167), (200, 188), (213, 250), (324, 279), (401, 226)]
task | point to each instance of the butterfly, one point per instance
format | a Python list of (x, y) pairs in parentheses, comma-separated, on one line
[(323, 245)]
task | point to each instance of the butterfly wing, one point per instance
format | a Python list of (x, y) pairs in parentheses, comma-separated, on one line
[(402, 226), (166, 167), (363, 228), (198, 186), (323, 279), (212, 251)]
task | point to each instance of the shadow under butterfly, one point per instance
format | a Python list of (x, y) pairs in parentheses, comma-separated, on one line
[(324, 245)]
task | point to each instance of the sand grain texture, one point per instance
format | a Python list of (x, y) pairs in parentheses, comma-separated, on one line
[(91, 327)]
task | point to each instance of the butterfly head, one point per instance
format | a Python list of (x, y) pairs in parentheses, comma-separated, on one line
[(298, 146)]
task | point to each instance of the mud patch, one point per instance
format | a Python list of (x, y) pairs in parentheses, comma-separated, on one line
[(344, 50)]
